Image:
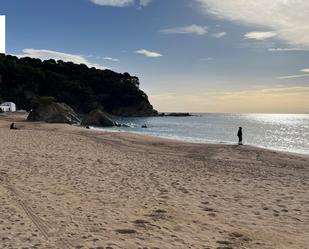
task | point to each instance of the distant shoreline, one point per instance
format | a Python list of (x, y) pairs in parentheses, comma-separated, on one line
[(21, 117), (106, 129), (178, 138)]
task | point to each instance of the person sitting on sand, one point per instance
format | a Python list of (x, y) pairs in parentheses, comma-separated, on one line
[(12, 127), (239, 135)]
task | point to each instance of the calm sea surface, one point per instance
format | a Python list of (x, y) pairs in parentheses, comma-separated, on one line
[(284, 132)]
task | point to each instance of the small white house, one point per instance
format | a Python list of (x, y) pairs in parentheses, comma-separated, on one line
[(8, 107)]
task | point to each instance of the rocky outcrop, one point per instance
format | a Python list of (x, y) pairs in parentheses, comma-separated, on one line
[(175, 114), (53, 112), (143, 109), (98, 118)]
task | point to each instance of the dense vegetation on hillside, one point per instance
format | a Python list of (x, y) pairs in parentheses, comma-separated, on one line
[(24, 80)]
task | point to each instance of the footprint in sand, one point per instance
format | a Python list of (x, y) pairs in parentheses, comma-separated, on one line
[(235, 239), (211, 211), (141, 223), (126, 231), (159, 214)]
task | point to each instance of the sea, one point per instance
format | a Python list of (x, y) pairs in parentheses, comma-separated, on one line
[(282, 132)]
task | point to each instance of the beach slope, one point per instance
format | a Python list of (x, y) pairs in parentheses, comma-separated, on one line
[(67, 187)]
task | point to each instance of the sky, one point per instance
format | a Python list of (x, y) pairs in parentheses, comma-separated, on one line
[(190, 55)]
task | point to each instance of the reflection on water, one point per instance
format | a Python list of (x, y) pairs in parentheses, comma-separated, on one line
[(287, 119), (286, 132)]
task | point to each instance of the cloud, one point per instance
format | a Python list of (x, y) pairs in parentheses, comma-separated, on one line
[(107, 58), (121, 3), (276, 99), (44, 54), (110, 59), (267, 100), (144, 2), (305, 70), (148, 53), (293, 76), (192, 29), (286, 49), (287, 18), (114, 3), (219, 34), (260, 35)]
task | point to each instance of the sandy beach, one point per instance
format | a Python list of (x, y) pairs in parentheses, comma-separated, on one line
[(63, 186)]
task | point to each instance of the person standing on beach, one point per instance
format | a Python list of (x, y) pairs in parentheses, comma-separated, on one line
[(239, 135), (13, 127)]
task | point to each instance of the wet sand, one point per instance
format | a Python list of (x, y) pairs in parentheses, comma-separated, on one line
[(68, 187)]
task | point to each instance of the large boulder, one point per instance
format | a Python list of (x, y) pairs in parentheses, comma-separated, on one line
[(53, 112), (98, 118), (142, 109)]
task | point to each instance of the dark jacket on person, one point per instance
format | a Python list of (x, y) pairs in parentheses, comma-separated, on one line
[(239, 134), (13, 127)]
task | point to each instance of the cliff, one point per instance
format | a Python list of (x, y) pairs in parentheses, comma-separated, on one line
[(84, 89)]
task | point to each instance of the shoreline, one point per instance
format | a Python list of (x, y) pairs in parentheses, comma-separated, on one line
[(64, 186), (103, 129)]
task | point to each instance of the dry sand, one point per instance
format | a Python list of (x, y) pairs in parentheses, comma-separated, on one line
[(68, 187)]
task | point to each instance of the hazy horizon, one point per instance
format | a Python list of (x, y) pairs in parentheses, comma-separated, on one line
[(222, 56)]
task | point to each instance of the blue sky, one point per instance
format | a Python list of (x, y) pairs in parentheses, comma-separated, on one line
[(198, 55)]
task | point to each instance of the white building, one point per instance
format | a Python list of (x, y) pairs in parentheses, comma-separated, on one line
[(8, 107)]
